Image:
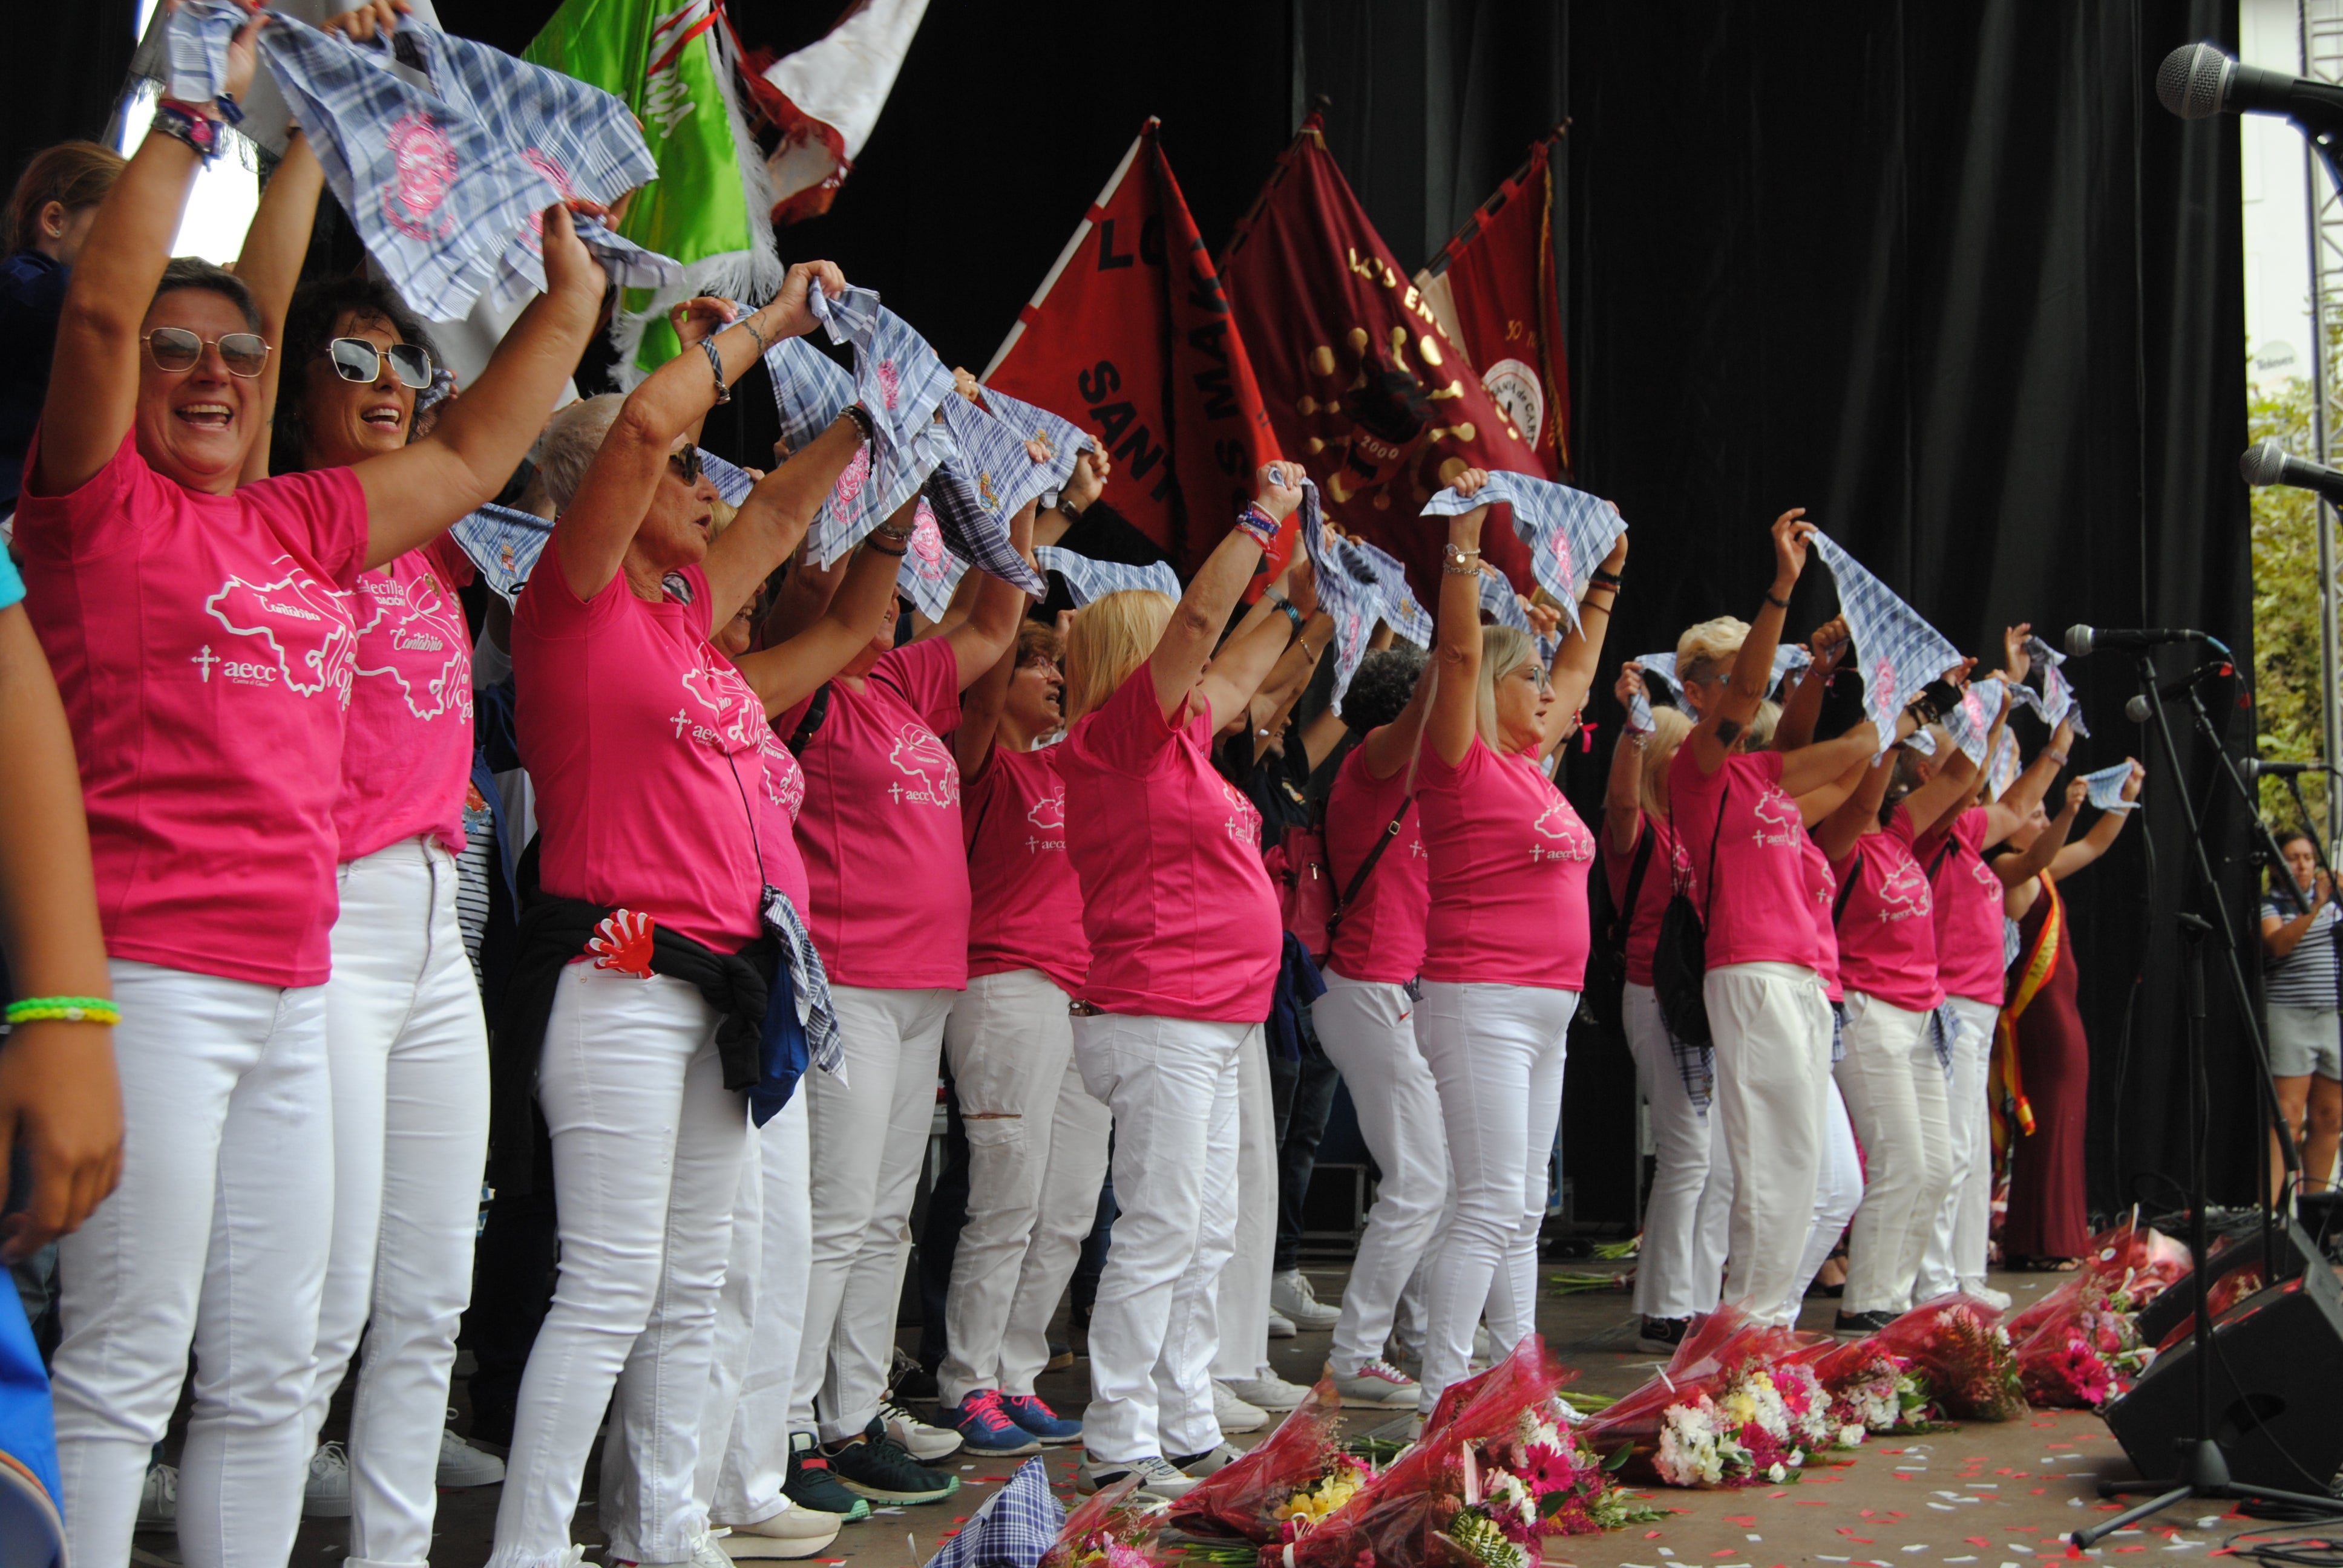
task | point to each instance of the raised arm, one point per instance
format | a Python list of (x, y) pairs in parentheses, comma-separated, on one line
[(1456, 649), (2279, 936), (1752, 672), (413, 494), (2016, 870), (1812, 766), (2103, 834), (980, 707), (990, 629), (1085, 485), (1816, 805), (1801, 709), (93, 385), (270, 265), (788, 673), (1622, 791), (1574, 662), (1947, 792), (1178, 664), (804, 595), (1856, 815)]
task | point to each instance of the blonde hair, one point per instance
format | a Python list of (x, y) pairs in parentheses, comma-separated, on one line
[(1712, 642), (1504, 649), (721, 513), (1762, 724), (1669, 727), (1110, 637)]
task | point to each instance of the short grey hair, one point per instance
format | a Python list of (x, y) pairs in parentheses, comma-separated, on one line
[(564, 450)]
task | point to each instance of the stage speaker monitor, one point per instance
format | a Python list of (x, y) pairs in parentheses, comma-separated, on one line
[(2276, 1383), (2170, 1308)]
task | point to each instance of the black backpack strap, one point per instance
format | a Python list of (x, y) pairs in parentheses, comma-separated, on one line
[(1723, 794), (1952, 842), (816, 711), (1846, 889)]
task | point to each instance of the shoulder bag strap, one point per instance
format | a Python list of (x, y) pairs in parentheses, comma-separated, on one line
[(1359, 876), (1626, 911), (1846, 891), (1723, 794)]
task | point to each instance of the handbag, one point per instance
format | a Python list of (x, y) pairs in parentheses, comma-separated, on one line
[(1607, 956), (1305, 887), (1680, 962)]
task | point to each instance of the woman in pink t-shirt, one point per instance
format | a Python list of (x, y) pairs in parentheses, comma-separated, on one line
[(203, 638), (1185, 940), (1036, 1140), (1505, 939), (646, 748)]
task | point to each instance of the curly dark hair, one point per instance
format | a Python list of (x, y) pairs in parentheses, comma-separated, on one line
[(311, 322), (1382, 686)]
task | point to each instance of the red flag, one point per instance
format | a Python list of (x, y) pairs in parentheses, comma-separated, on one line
[(1493, 289), (1361, 384), (1132, 328)]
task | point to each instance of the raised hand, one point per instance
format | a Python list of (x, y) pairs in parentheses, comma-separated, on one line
[(569, 267), (1630, 683), (2016, 663), (1830, 643), (363, 22), (1088, 480), (1793, 535), (695, 320), (1278, 489), (789, 313), (2131, 786)]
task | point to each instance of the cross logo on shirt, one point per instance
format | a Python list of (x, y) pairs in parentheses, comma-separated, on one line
[(679, 720), (205, 660)]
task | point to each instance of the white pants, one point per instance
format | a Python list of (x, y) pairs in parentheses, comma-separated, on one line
[(1171, 1084), (1241, 1304), (1666, 1282), (1838, 1188), (217, 1236), (1956, 1258), (869, 1137), (647, 1150), (1368, 1031), (407, 1051), (1895, 1097), (744, 1455), (1496, 1055), (1772, 1026), (1037, 1147)]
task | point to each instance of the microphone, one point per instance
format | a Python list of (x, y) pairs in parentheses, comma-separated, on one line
[(2138, 709), (2084, 640), (2198, 81), (2256, 768), (2267, 463)]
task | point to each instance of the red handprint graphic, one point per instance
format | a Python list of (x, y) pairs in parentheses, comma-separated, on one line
[(623, 942)]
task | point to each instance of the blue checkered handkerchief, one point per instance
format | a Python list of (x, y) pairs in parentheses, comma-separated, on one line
[(428, 188), (1350, 590), (2107, 788), (732, 484), (899, 382), (1501, 604), (1087, 580), (931, 572), (503, 544), (811, 981), (1970, 719), (197, 47), (1659, 675), (1568, 532), (1921, 742), (1062, 440), (1789, 658), (581, 138), (809, 388), (2005, 768), (1942, 1027), (1895, 652), (1015, 1528), (985, 479), (2056, 704), (1402, 611)]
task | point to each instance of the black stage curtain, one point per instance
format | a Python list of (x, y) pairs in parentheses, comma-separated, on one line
[(1948, 276), (69, 62)]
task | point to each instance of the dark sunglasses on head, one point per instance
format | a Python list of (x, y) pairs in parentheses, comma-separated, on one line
[(686, 463), (357, 359), (175, 349)]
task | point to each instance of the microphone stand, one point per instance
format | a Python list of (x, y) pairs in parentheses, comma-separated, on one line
[(2204, 1470)]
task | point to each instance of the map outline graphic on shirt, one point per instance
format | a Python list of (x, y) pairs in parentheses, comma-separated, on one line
[(454, 679), (1774, 808), (1243, 824), (1903, 893), (784, 779), (1049, 811), (328, 651), (718, 688), (920, 754)]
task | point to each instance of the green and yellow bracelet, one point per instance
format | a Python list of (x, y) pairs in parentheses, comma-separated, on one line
[(69, 1008)]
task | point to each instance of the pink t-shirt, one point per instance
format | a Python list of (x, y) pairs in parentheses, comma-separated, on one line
[(1969, 910), (643, 744), (880, 830), (1025, 903), (203, 645), (1821, 888), (1888, 932), (1665, 872), (1381, 937), (1509, 866), (1756, 912), (778, 805), (1181, 919), (409, 753)]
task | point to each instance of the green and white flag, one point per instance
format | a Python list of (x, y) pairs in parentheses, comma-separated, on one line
[(708, 207)]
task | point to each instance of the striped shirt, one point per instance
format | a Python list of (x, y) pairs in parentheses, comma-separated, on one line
[(2305, 977)]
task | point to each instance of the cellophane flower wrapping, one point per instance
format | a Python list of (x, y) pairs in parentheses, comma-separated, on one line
[(1116, 1528), (2081, 1351), (1718, 1416), (1870, 1389), (1506, 1469), (1291, 1482), (1958, 1344), (2135, 1263)]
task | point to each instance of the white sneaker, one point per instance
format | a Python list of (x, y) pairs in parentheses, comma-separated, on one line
[(1281, 1327), (1483, 1350), (1290, 1295), (1378, 1385), (1997, 1300), (1158, 1477), (158, 1498), (326, 1493), (1234, 1413), (1218, 1458), (1269, 1391), (461, 1465), (794, 1532), (923, 1442)]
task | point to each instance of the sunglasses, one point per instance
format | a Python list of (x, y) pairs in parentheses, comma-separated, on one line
[(177, 350), (357, 359), (686, 464)]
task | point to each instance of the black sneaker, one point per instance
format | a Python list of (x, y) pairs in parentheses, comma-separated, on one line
[(912, 1381), (812, 1486), (1863, 1322), (875, 1466), (1664, 1333)]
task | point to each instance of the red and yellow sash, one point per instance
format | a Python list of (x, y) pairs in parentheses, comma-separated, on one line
[(2006, 1086)]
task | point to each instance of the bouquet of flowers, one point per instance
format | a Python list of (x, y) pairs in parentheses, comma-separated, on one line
[(2080, 1347), (1116, 1528), (1955, 1342), (2134, 1261), (1813, 1420), (1869, 1389), (1284, 1488), (1718, 1416)]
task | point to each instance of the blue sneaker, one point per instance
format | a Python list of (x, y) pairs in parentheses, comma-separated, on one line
[(985, 1428), (1038, 1419)]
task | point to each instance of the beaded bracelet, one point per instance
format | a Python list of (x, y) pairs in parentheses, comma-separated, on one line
[(1258, 526), (716, 368), (188, 124), (66, 1008)]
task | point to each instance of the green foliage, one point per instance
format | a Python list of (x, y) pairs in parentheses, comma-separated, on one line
[(2285, 605)]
